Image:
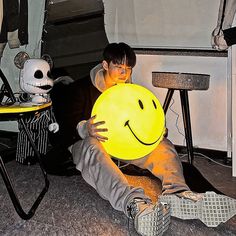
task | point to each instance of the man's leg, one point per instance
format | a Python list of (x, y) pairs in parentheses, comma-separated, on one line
[(165, 164), (98, 169)]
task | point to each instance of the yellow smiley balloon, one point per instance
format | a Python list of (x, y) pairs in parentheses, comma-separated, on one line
[(134, 118)]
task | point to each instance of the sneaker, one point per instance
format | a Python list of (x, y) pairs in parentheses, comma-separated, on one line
[(212, 209), (150, 219)]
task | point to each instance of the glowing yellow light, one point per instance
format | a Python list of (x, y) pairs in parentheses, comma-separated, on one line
[(134, 118)]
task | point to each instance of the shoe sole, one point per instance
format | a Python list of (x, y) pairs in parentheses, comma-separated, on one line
[(155, 222), (212, 210)]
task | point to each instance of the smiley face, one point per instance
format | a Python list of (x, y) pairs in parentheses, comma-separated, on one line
[(134, 118)]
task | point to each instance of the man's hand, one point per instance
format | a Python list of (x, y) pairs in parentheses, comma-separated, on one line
[(93, 129)]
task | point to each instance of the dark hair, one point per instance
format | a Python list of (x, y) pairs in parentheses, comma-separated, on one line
[(119, 53)]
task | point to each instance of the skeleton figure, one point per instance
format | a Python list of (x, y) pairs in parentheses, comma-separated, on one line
[(36, 82)]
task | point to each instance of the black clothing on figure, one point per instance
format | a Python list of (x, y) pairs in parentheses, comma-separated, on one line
[(14, 30), (230, 36), (72, 103)]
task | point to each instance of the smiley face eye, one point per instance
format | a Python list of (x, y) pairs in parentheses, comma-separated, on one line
[(154, 104), (140, 104)]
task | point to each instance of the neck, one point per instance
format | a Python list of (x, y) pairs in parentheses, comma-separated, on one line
[(109, 83)]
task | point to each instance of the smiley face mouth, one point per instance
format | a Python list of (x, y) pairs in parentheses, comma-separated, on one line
[(147, 144)]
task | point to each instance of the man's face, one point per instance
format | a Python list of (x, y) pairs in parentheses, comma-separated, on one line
[(117, 73)]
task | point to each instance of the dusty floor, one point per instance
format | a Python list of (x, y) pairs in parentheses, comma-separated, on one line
[(71, 207)]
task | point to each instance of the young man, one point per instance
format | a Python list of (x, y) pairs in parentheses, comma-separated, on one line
[(97, 167), (73, 104)]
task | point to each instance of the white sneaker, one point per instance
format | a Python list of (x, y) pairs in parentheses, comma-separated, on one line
[(212, 209), (150, 219)]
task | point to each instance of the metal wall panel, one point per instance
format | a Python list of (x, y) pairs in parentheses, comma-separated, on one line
[(74, 33)]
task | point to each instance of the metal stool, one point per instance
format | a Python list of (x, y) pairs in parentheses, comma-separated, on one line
[(183, 82)]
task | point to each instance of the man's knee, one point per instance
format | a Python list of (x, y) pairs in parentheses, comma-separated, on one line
[(166, 144)]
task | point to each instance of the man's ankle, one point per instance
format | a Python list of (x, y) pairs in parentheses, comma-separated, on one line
[(136, 205)]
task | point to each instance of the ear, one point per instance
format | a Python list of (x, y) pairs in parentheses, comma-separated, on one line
[(105, 65), (48, 59), (20, 59)]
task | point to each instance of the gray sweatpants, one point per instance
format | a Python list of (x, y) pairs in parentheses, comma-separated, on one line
[(98, 170)]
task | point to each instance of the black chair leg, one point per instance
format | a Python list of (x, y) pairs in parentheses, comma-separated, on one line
[(186, 118), (14, 198), (11, 190), (187, 124), (169, 95)]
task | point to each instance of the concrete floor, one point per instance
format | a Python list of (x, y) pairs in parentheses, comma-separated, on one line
[(72, 208), (220, 176)]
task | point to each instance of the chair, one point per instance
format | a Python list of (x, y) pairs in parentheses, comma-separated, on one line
[(11, 110), (183, 82)]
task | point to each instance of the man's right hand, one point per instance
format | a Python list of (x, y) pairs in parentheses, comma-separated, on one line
[(94, 130)]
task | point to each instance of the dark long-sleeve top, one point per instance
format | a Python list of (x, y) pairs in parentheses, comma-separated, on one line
[(71, 104)]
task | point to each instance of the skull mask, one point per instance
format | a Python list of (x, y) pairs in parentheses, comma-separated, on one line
[(35, 77)]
